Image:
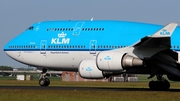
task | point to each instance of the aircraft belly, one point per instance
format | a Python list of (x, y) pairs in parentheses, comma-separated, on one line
[(67, 60), (70, 60)]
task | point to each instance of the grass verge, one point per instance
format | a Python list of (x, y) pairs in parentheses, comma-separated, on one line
[(89, 95), (60, 95)]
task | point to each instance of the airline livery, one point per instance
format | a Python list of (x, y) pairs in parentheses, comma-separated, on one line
[(100, 48)]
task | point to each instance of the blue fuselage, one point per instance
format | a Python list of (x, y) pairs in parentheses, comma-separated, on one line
[(63, 37)]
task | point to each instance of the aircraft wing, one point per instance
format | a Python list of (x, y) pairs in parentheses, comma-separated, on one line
[(154, 46)]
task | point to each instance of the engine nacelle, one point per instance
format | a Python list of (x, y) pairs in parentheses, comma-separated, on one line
[(88, 69), (116, 61)]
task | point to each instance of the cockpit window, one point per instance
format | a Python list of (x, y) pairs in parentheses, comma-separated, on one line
[(30, 28)]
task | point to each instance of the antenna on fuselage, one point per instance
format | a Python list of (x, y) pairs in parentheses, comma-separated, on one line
[(92, 19)]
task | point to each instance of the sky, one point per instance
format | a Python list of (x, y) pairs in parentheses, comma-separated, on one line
[(17, 15)]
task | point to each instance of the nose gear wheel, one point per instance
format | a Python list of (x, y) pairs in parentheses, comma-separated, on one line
[(43, 81)]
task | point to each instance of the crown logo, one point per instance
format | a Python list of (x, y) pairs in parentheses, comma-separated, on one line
[(62, 35)]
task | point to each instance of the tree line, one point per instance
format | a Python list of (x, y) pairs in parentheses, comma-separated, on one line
[(6, 68)]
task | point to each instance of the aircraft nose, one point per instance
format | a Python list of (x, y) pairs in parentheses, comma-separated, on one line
[(7, 49), (10, 49)]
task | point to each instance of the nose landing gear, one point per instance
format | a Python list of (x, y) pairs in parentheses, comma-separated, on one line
[(43, 81)]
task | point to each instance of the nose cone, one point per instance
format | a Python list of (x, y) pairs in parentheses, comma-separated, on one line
[(15, 43), (6, 48), (19, 45), (22, 42), (13, 46), (9, 48)]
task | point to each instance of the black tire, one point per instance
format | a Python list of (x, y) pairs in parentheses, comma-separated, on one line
[(47, 81), (166, 85), (152, 85), (159, 85)]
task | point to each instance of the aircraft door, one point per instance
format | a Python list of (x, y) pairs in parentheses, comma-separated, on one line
[(93, 46), (77, 28), (43, 46)]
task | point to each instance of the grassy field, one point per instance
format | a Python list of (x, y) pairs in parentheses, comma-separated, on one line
[(75, 95), (60, 95)]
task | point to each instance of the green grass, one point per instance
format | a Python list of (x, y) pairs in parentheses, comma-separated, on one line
[(56, 95), (73, 95), (86, 95)]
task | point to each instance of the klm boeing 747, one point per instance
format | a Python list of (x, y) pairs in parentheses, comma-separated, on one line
[(100, 48)]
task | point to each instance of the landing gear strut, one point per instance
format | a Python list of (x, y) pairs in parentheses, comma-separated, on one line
[(160, 84), (43, 81)]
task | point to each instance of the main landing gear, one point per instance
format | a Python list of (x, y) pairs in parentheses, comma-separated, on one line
[(43, 81), (160, 84)]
